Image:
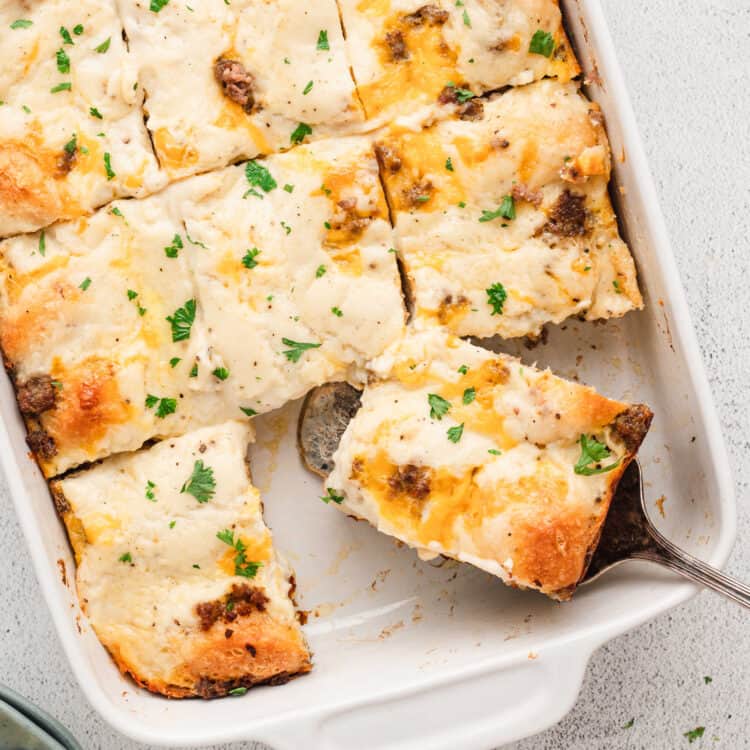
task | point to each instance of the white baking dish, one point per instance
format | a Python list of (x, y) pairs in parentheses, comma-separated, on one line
[(408, 655)]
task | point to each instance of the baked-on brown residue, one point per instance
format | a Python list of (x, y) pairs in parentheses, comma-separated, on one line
[(236, 83), (410, 480), (36, 395), (568, 217), (242, 600), (631, 425)]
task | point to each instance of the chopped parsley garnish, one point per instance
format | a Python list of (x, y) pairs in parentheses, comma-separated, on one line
[(289, 188), (201, 484), (85, 284), (150, 491), (116, 211), (259, 176), (454, 433), (57, 384), (628, 724), (125, 558), (173, 250), (172, 524), (103, 47), (462, 95), (592, 454), (506, 210), (166, 405), (323, 40), (132, 295), (237, 691), (65, 34), (616, 285), (332, 496), (221, 373), (449, 164), (254, 192), (193, 371), (248, 259), (467, 20), (247, 411), (94, 112), (494, 452), (63, 61), (463, 369), (42, 244), (337, 311), (21, 23), (78, 29), (469, 395), (439, 407), (71, 146), (299, 133), (542, 43), (60, 87), (694, 734), (320, 271), (286, 227), (496, 296), (307, 89), (296, 349), (182, 321), (157, 5), (108, 166), (327, 224), (194, 242), (242, 566)]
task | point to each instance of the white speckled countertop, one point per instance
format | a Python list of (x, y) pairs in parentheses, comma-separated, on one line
[(686, 65)]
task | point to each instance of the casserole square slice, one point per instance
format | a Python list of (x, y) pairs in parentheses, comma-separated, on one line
[(71, 128), (298, 284), (465, 453), (406, 54), (85, 328), (226, 81), (505, 223), (176, 570)]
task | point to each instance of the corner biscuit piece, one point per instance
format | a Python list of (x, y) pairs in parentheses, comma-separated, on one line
[(407, 54), (228, 81), (469, 454), (505, 224), (176, 569), (85, 331), (71, 129)]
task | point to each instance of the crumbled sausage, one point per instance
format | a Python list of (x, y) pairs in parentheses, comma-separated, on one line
[(242, 600), (67, 160), (418, 193), (501, 143), (349, 222), (471, 110), (431, 14), (42, 444), (36, 395), (236, 83), (631, 425), (448, 95), (410, 480), (397, 46), (522, 192), (389, 160), (568, 217)]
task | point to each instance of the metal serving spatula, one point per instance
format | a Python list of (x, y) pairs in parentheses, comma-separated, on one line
[(628, 533)]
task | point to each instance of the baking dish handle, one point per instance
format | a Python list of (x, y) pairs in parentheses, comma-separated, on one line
[(477, 712)]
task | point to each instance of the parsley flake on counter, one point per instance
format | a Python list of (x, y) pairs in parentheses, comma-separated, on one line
[(150, 486), (708, 680), (65, 34), (320, 271), (247, 411), (259, 176), (42, 244), (323, 40), (455, 433), (61, 87), (496, 296), (248, 259), (469, 395), (332, 496), (628, 724), (307, 89), (201, 484), (21, 23), (108, 166), (439, 407), (694, 734), (337, 312), (85, 284), (542, 43), (173, 250), (221, 373), (63, 61), (593, 452), (104, 46), (157, 5), (299, 133), (296, 349), (125, 558), (242, 566), (182, 321)]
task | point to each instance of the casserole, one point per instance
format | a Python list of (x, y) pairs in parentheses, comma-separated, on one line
[(402, 671)]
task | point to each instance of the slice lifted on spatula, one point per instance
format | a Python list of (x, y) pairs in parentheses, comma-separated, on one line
[(459, 451)]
